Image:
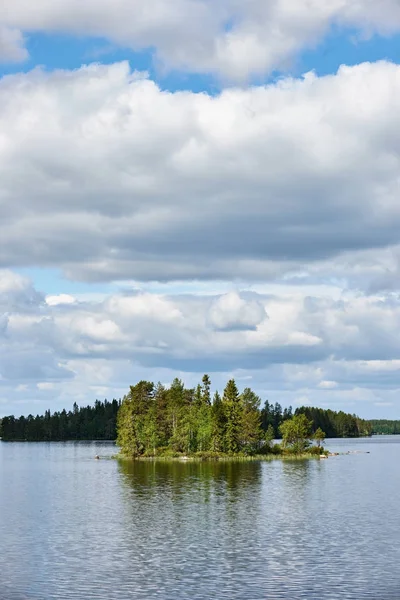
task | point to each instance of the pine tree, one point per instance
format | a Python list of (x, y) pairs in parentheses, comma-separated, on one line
[(177, 410), (218, 425), (251, 432), (132, 418), (206, 394), (233, 410)]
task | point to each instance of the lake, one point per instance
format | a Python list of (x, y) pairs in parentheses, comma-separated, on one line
[(73, 527)]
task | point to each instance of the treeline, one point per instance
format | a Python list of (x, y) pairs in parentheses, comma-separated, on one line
[(336, 424), (96, 422), (385, 427), (154, 418)]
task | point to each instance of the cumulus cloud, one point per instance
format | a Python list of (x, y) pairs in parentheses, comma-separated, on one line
[(60, 299), (231, 312), (12, 48), (327, 385), (342, 353), (17, 293), (123, 180), (232, 38)]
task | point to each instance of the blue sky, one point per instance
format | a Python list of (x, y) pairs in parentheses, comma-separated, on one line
[(54, 51), (223, 212)]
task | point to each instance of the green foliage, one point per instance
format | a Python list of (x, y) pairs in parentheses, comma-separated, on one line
[(155, 421), (218, 425), (250, 427), (272, 415), (316, 450), (296, 433), (319, 436), (336, 424), (136, 431), (152, 420), (205, 391), (233, 411), (384, 427), (207, 455), (269, 435), (96, 422)]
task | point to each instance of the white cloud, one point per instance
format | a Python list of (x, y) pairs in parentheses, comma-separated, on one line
[(11, 45), (17, 292), (125, 181), (97, 329), (302, 338), (60, 299), (230, 37), (294, 185), (230, 312), (144, 305), (339, 353), (328, 385)]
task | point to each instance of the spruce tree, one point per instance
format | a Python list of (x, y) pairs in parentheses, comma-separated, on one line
[(251, 432), (218, 425), (132, 418), (233, 410)]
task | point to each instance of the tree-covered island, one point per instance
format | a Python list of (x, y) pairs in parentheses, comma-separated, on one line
[(154, 420)]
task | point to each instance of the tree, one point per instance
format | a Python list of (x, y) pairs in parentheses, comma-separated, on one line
[(296, 432), (251, 432), (206, 395), (266, 416), (132, 422), (233, 413), (175, 407), (319, 436), (277, 417), (80, 423), (152, 419), (163, 424), (218, 425), (269, 436)]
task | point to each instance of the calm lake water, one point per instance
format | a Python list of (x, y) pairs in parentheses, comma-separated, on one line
[(72, 527)]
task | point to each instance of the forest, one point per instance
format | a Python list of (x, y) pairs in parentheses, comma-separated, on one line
[(96, 422), (385, 427), (337, 424), (153, 419)]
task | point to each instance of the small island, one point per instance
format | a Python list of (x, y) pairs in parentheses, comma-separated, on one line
[(154, 421)]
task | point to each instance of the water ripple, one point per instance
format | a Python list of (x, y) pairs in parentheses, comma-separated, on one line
[(75, 528)]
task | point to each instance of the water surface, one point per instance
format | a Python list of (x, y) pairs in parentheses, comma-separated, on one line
[(72, 527)]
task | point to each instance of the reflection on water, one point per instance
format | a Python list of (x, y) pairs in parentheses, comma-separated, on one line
[(72, 527), (179, 478)]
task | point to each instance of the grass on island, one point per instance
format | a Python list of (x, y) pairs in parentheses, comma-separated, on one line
[(276, 453)]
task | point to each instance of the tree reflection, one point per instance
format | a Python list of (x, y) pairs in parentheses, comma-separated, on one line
[(176, 479)]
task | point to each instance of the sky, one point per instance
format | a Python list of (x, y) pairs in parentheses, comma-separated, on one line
[(191, 186)]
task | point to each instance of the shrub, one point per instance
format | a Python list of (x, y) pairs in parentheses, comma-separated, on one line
[(316, 450)]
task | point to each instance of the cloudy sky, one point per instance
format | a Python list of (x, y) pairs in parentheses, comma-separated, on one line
[(192, 186)]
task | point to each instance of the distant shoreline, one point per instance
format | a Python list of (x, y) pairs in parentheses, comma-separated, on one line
[(98, 441)]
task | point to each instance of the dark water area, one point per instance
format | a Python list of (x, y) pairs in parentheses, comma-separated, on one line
[(72, 527)]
